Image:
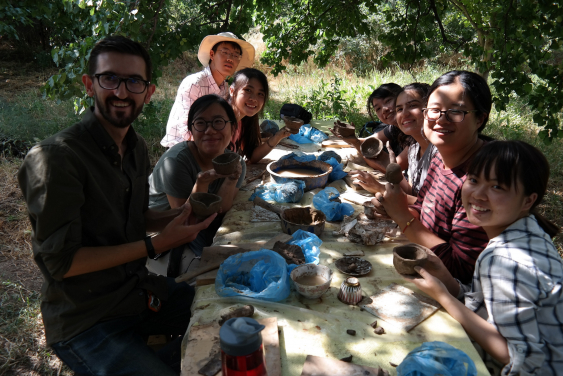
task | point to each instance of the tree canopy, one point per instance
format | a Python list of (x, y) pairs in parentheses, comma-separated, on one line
[(516, 43)]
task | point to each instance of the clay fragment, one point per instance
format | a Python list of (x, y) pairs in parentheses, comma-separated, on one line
[(373, 324), (292, 253), (351, 268), (351, 332), (379, 330), (347, 359), (235, 311)]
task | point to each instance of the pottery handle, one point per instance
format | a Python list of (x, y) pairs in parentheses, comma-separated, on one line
[(260, 202)]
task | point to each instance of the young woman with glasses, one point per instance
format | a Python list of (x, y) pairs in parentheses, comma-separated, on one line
[(249, 93), (187, 168), (457, 109)]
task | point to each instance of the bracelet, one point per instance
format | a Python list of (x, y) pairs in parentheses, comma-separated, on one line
[(408, 224), (268, 142), (150, 247)]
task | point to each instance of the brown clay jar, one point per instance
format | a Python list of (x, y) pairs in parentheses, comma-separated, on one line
[(371, 147), (406, 257)]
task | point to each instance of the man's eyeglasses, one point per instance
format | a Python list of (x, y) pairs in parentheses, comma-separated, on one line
[(112, 82), (455, 116), (218, 124), (230, 55)]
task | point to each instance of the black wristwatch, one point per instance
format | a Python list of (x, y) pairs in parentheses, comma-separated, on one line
[(150, 247)]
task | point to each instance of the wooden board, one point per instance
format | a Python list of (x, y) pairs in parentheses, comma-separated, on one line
[(319, 366), (335, 142), (203, 344)]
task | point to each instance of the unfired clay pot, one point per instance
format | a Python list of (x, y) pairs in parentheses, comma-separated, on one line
[(406, 257), (371, 147), (345, 131), (205, 204), (226, 163), (292, 124), (369, 210)]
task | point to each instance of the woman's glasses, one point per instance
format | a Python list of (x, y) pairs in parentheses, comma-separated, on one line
[(218, 124), (455, 116)]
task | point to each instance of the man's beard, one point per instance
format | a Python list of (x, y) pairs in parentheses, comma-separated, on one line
[(120, 120)]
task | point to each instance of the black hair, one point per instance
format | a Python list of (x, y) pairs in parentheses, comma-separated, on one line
[(250, 127), (475, 88), (513, 162), (202, 103), (122, 45), (422, 90), (234, 45), (382, 92)]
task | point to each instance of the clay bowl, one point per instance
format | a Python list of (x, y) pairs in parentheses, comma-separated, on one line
[(306, 219), (371, 147), (292, 124), (369, 210), (310, 289), (226, 163), (406, 257), (205, 204), (345, 131), (319, 172)]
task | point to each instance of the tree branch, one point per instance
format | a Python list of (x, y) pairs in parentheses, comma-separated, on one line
[(226, 22), (155, 22)]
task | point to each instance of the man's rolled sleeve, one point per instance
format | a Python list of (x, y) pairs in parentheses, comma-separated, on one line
[(53, 191)]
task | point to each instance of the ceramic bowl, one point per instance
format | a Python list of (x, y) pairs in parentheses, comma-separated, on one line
[(406, 257), (371, 147), (226, 163), (319, 172), (311, 270), (205, 204)]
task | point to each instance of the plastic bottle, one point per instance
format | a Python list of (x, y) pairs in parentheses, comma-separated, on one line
[(242, 352)]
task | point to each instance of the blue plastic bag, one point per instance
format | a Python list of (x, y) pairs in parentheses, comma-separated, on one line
[(292, 191), (326, 155), (334, 211), (307, 135), (299, 156), (337, 170), (436, 358), (300, 139), (260, 274), (310, 245)]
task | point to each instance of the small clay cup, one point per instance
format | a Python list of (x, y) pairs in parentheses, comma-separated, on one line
[(393, 173), (406, 257), (226, 163), (292, 124), (205, 204), (369, 210), (311, 292), (345, 131), (371, 147)]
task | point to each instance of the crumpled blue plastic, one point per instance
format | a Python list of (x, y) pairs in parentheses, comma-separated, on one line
[(326, 155), (310, 245), (334, 211), (260, 274), (299, 156), (307, 135), (437, 358), (337, 170), (292, 191)]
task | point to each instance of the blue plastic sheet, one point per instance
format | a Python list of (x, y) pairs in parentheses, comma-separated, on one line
[(260, 274), (292, 191), (334, 211), (437, 358), (326, 155), (310, 245), (307, 135), (299, 156)]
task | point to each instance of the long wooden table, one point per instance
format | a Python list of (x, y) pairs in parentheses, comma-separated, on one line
[(318, 327)]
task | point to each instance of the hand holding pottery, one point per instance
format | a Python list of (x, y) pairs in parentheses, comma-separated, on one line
[(430, 285), (406, 257), (226, 163)]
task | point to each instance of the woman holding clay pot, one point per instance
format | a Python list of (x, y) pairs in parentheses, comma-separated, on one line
[(381, 103), (248, 95), (457, 109), (416, 157), (187, 168)]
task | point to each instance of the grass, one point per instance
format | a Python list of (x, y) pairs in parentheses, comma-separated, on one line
[(26, 116)]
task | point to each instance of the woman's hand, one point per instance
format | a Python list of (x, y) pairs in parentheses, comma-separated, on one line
[(366, 181), (207, 177), (429, 284)]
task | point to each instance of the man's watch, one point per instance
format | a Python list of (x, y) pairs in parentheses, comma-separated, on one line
[(150, 247)]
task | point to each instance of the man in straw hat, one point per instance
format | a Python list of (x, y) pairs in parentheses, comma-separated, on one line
[(221, 55)]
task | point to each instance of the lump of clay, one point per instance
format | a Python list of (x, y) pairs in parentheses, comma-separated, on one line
[(393, 174)]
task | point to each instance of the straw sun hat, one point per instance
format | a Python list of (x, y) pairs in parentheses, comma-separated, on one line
[(209, 41)]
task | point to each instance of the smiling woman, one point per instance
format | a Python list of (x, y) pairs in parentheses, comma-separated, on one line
[(187, 168)]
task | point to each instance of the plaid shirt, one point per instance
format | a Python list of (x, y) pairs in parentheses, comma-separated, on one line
[(517, 287), (192, 87)]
